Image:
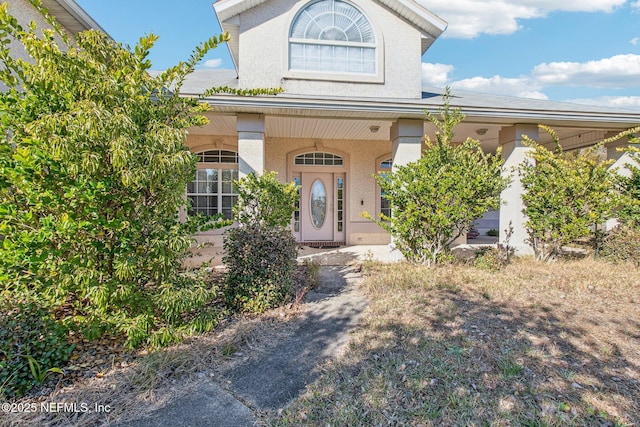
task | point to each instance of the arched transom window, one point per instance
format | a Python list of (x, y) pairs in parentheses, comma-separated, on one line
[(319, 159), (332, 36)]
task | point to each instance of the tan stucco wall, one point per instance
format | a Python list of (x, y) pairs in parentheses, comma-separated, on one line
[(264, 43), (25, 14), (360, 168), (361, 187)]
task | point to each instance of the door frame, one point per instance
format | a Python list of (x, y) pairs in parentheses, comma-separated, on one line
[(296, 171)]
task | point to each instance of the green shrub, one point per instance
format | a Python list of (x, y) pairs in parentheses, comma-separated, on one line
[(436, 198), (491, 259), (27, 331), (264, 201), (628, 185), (493, 233), (622, 245), (93, 169), (567, 195), (261, 264)]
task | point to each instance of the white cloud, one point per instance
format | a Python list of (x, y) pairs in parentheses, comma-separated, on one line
[(523, 87), (435, 74), (470, 18), (213, 63), (634, 41), (617, 72), (636, 5)]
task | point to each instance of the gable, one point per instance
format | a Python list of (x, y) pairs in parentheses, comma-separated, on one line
[(430, 25), (309, 47)]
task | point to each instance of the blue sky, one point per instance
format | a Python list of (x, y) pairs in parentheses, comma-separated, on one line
[(585, 51)]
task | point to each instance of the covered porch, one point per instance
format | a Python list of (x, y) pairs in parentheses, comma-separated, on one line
[(333, 147)]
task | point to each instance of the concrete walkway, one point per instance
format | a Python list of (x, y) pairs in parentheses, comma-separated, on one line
[(272, 379)]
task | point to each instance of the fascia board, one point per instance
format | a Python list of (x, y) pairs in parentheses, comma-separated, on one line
[(273, 104), (79, 14), (430, 23), (227, 9), (409, 9)]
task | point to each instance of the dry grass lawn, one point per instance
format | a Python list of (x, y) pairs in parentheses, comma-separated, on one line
[(530, 345)]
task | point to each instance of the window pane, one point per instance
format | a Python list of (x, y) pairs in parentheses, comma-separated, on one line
[(203, 191), (325, 26)]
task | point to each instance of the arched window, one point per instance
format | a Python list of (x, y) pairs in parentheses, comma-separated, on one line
[(332, 36), (212, 191), (317, 158)]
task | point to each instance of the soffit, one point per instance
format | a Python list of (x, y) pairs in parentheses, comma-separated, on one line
[(513, 112), (346, 130), (71, 16)]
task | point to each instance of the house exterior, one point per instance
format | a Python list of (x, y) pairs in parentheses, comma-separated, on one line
[(352, 106)]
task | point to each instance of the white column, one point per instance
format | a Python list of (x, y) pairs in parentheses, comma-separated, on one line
[(406, 136), (511, 211), (250, 144)]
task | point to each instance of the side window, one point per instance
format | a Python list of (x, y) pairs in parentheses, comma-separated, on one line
[(212, 191), (383, 167)]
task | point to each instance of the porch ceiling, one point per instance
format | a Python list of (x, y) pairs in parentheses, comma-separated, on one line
[(322, 128)]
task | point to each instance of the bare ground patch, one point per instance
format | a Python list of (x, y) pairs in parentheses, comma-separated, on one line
[(530, 345)]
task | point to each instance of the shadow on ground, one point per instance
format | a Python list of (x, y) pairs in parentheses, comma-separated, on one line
[(273, 377)]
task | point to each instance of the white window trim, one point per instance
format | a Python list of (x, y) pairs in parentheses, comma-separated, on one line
[(219, 167), (380, 169), (378, 77)]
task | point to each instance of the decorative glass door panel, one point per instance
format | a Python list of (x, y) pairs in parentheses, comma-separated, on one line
[(318, 199), (317, 207)]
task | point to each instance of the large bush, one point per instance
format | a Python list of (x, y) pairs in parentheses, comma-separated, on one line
[(437, 198), (628, 186), (566, 196), (93, 167), (261, 264), (261, 252)]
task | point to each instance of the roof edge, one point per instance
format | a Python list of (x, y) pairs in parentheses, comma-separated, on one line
[(418, 15), (415, 13), (80, 15), (625, 119)]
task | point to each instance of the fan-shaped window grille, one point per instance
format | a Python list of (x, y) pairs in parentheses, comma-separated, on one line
[(332, 36), (319, 159), (217, 156)]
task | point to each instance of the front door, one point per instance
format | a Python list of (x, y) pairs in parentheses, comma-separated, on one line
[(316, 207)]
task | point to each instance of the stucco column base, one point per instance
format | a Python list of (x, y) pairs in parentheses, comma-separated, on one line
[(514, 152), (250, 144)]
